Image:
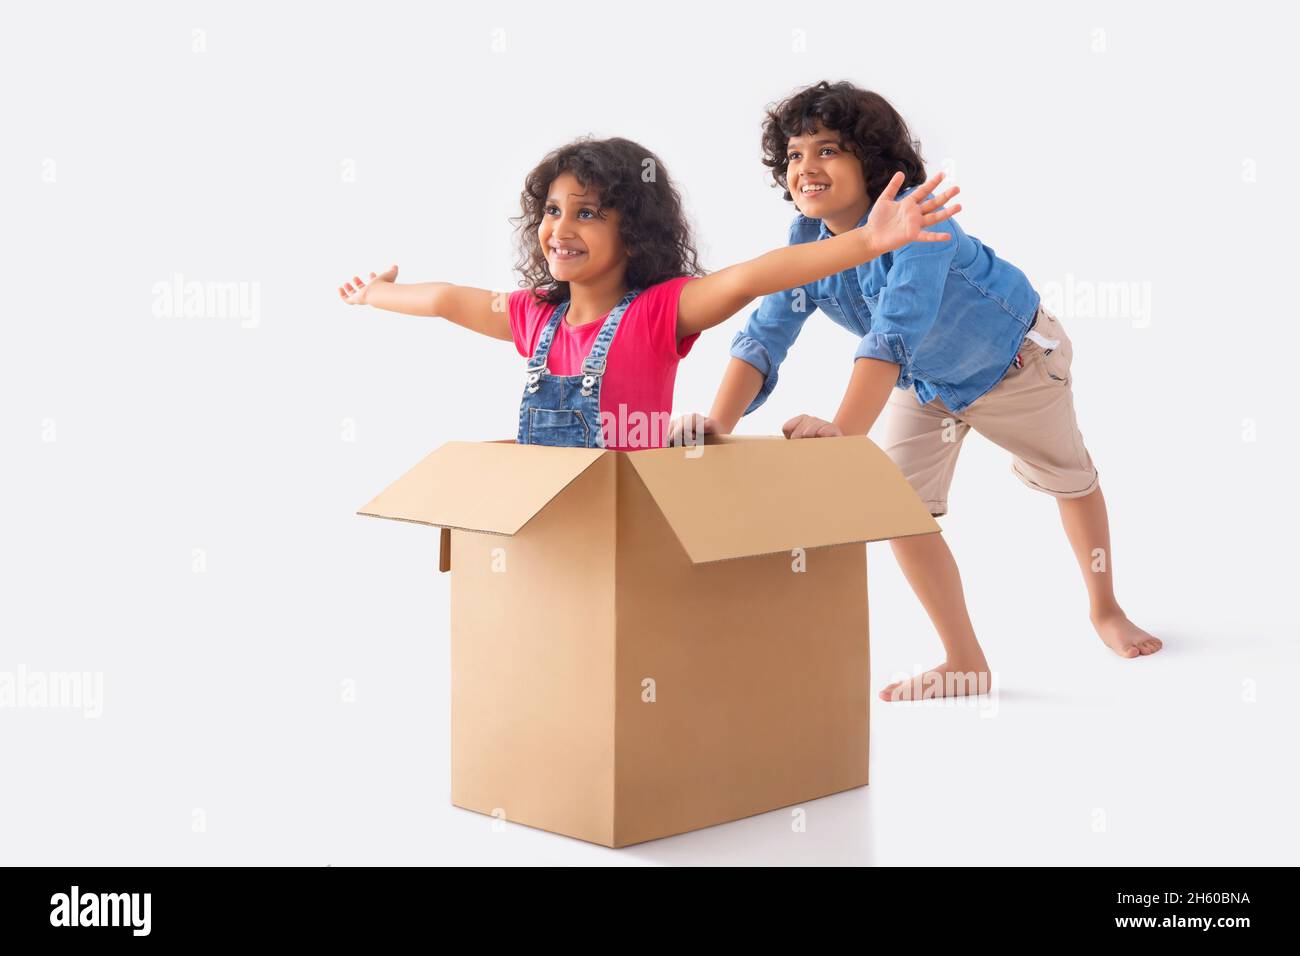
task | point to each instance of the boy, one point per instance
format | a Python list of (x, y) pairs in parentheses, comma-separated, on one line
[(951, 337)]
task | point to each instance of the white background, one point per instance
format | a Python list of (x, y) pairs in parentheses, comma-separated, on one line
[(1094, 143)]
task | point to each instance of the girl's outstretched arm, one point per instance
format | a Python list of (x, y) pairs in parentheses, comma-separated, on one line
[(713, 299), (479, 310)]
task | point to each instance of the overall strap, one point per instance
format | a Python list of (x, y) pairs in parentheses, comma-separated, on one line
[(538, 361), (594, 363)]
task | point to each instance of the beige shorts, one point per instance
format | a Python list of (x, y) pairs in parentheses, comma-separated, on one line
[(1030, 413)]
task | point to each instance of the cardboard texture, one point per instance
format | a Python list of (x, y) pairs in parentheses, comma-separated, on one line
[(645, 643)]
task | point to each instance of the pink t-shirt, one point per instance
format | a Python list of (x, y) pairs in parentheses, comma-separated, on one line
[(636, 393)]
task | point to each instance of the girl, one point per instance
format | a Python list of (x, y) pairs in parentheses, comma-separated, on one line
[(613, 293), (950, 337)]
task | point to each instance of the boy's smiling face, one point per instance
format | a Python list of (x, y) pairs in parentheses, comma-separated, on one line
[(825, 180), (581, 241)]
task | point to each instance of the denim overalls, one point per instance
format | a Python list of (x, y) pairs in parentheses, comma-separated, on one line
[(564, 410)]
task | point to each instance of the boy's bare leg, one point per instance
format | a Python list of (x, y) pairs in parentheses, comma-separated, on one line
[(1089, 532), (932, 572)]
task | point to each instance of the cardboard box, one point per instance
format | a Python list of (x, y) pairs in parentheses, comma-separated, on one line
[(645, 643)]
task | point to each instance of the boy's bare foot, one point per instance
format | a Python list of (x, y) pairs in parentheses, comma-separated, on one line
[(941, 681), (1124, 637)]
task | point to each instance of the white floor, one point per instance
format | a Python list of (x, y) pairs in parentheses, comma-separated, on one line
[(224, 737)]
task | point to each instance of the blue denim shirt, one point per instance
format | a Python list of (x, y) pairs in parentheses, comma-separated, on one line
[(950, 314)]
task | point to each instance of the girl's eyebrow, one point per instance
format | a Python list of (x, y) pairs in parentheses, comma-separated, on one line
[(819, 142)]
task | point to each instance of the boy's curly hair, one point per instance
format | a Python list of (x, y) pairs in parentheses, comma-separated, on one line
[(869, 127), (629, 178)]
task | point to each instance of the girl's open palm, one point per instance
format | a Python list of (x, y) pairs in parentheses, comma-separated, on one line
[(354, 292), (895, 223)]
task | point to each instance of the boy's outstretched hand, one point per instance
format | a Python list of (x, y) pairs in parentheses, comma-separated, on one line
[(354, 292), (894, 223)]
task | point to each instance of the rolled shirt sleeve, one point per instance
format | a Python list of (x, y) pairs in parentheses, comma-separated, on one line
[(766, 338), (909, 303)]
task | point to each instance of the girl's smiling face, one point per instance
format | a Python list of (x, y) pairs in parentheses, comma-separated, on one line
[(824, 179), (581, 241)]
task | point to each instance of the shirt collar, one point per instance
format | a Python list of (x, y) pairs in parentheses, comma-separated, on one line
[(824, 233)]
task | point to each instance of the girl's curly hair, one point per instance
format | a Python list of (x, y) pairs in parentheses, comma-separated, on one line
[(629, 178), (869, 127)]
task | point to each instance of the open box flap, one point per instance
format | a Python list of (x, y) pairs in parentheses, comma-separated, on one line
[(749, 496), (481, 486)]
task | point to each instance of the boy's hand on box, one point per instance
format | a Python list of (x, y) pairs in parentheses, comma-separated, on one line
[(810, 426), (895, 223), (356, 292), (690, 429)]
